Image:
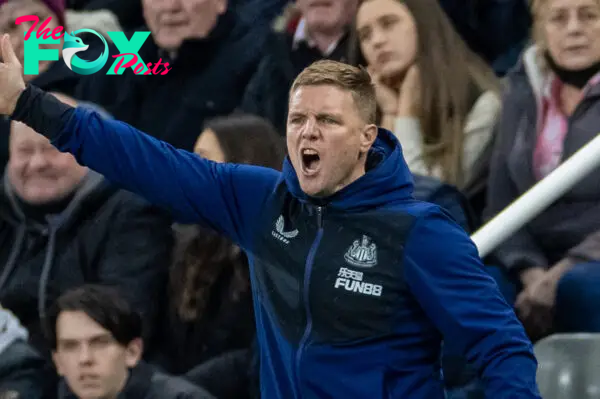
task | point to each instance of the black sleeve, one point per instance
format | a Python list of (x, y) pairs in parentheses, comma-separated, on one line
[(41, 111), (226, 376)]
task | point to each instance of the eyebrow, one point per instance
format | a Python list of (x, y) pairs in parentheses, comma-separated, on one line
[(92, 338)]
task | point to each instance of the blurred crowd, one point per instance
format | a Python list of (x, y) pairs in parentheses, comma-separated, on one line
[(102, 294)]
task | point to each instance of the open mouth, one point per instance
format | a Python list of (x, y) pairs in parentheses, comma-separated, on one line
[(310, 161)]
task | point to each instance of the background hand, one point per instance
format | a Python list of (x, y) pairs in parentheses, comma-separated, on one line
[(11, 77), (410, 93), (387, 98)]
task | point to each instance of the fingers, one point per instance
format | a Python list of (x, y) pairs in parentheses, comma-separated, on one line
[(8, 53), (372, 72)]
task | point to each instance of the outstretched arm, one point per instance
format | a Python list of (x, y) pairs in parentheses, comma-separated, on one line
[(446, 276), (225, 197)]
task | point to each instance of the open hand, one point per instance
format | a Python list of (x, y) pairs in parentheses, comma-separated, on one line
[(11, 77)]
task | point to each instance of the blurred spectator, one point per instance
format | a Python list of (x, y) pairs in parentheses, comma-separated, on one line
[(260, 13), (96, 340), (53, 75), (23, 373), (440, 99), (128, 13), (101, 21), (211, 311), (497, 30), (212, 55), (322, 31), (551, 110), (62, 225)]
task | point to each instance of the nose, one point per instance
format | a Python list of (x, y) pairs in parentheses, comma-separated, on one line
[(85, 354), (168, 5), (378, 38), (38, 161), (574, 23), (310, 129)]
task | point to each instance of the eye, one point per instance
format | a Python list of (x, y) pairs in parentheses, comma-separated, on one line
[(364, 34), (588, 15), (389, 21), (296, 120), (329, 120), (558, 17)]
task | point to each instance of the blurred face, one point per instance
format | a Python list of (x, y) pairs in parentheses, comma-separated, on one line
[(388, 36), (38, 172), (93, 364), (571, 30), (173, 21), (13, 9), (328, 16), (326, 137), (207, 146)]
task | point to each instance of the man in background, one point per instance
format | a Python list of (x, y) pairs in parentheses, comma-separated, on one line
[(62, 225), (96, 340)]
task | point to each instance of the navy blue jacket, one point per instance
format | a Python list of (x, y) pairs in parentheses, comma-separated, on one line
[(354, 293)]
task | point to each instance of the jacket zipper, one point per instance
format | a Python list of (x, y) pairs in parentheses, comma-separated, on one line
[(306, 291)]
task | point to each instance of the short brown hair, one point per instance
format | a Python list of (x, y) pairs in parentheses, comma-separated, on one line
[(356, 80)]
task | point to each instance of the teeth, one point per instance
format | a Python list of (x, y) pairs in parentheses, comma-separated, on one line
[(308, 151)]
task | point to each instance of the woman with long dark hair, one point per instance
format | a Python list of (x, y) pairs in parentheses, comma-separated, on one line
[(210, 312)]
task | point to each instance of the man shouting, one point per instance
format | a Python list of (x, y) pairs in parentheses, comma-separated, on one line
[(355, 282)]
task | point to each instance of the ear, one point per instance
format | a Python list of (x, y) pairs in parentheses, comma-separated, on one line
[(57, 364), (368, 137), (221, 6), (133, 352)]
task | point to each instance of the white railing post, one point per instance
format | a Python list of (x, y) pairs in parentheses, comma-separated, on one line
[(538, 197)]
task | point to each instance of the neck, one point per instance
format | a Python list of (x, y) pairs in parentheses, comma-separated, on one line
[(324, 40), (577, 78), (351, 178)]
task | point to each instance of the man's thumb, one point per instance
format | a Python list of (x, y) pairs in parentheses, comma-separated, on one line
[(8, 54)]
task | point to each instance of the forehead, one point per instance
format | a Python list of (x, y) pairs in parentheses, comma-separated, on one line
[(76, 325), (16, 8), (21, 134), (321, 99), (373, 9), (562, 4)]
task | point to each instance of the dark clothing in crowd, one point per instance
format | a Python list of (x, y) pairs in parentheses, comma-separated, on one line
[(237, 366), (146, 383), (567, 227), (99, 234), (129, 13), (225, 324), (268, 91), (498, 30), (207, 79), (24, 374)]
